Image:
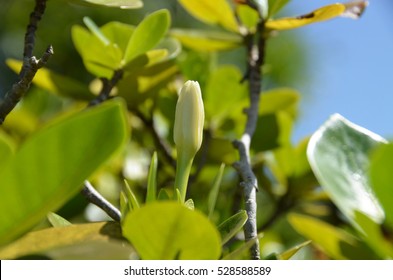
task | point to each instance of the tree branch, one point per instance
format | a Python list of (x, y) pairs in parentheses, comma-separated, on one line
[(107, 86), (97, 199), (30, 63), (256, 51)]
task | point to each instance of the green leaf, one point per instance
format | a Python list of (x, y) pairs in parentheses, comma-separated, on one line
[(123, 4), (147, 59), (322, 14), (213, 194), (98, 58), (239, 252), (51, 165), (232, 225), (276, 5), (189, 203), (95, 30), (381, 177), (280, 99), (118, 33), (47, 240), (55, 83), (335, 242), (291, 252), (57, 221), (248, 16), (169, 230), (131, 197), (163, 195), (7, 148), (147, 34), (212, 12), (373, 234), (338, 153), (206, 40), (152, 180), (146, 83)]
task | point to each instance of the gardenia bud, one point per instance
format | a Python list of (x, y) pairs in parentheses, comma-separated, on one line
[(189, 120)]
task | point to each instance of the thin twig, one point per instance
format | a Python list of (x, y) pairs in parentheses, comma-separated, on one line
[(88, 191), (30, 63), (107, 86), (256, 51), (97, 199)]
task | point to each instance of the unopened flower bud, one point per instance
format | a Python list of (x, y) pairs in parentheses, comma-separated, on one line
[(188, 131), (189, 119)]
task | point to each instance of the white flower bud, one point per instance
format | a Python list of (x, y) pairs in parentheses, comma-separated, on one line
[(189, 120)]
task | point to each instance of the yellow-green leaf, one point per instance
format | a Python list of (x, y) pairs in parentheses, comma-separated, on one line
[(204, 40), (48, 239), (55, 83), (212, 12), (321, 14)]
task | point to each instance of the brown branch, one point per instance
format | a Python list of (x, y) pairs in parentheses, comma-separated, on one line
[(256, 52), (30, 63)]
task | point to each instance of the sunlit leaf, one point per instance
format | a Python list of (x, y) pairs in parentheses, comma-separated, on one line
[(232, 225), (43, 241), (98, 58), (57, 220), (205, 40), (291, 252), (338, 153), (239, 252), (248, 16), (381, 176), (212, 12), (123, 4), (50, 166), (147, 34), (321, 14), (55, 83), (335, 242), (118, 33), (169, 230), (280, 99), (133, 202), (96, 30)]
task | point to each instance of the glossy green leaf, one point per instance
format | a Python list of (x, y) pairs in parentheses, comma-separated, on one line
[(51, 165), (292, 251), (276, 5), (147, 34), (232, 225), (335, 242), (212, 12), (42, 241), (55, 83), (152, 180), (205, 40), (57, 221), (147, 59), (123, 4), (338, 153), (212, 198), (189, 203), (169, 230), (98, 58), (322, 14), (381, 176)]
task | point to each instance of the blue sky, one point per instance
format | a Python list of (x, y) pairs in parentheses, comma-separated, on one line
[(352, 68)]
